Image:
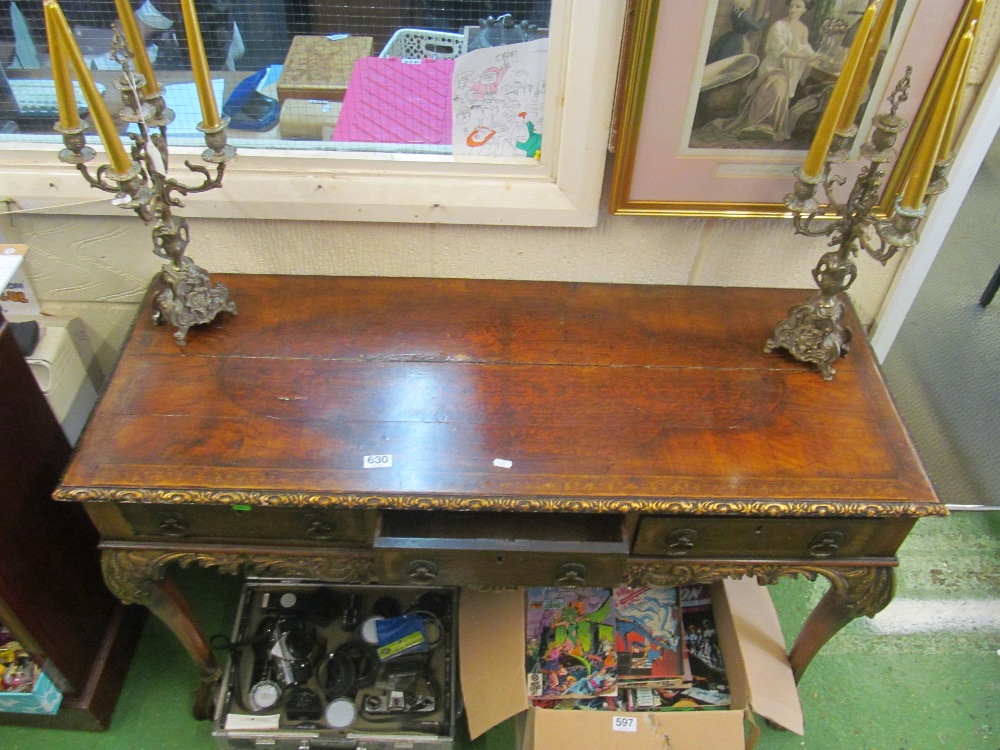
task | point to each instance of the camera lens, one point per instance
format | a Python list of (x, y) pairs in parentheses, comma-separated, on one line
[(264, 695), (365, 660), (336, 675), (369, 632), (340, 714), (387, 606), (298, 644)]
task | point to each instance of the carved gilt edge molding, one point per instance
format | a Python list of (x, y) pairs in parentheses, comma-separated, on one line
[(697, 507), (865, 589), (130, 573)]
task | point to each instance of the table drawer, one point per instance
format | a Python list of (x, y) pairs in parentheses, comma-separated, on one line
[(819, 538), (501, 549), (305, 525)]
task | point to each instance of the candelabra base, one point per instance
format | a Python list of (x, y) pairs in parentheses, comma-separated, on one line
[(189, 298), (812, 333)]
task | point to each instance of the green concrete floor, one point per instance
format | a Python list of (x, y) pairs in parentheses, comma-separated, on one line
[(867, 690)]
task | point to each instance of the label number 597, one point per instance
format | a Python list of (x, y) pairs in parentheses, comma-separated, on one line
[(624, 724)]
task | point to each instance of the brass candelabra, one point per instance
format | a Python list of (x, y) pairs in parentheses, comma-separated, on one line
[(187, 296), (813, 331)]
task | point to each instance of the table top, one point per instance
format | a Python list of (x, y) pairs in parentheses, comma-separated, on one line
[(602, 397)]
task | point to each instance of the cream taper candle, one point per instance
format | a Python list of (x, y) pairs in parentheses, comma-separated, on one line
[(863, 74), (930, 142), (951, 127), (137, 44), (199, 66), (816, 158), (69, 117), (54, 19)]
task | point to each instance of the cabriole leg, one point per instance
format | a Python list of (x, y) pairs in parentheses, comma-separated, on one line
[(854, 592)]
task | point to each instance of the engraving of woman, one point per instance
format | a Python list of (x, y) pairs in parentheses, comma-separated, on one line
[(764, 111), (734, 41)]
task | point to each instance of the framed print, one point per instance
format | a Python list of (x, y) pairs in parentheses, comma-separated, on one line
[(719, 100)]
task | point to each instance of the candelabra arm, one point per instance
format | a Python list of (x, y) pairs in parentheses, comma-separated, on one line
[(885, 249), (209, 182), (899, 232), (832, 204), (97, 180), (804, 225), (130, 189), (804, 207)]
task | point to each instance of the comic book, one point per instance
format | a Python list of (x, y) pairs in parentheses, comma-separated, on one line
[(648, 637), (600, 703), (668, 699), (570, 643), (710, 684)]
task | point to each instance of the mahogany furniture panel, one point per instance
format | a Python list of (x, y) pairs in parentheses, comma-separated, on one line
[(648, 436), (52, 596)]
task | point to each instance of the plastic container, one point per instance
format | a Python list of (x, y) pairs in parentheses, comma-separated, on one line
[(424, 44)]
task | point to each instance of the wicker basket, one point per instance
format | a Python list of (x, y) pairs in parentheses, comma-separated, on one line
[(423, 44)]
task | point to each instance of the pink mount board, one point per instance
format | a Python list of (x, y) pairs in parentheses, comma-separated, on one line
[(393, 101)]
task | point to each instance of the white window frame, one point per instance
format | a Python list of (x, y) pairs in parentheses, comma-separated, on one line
[(562, 188)]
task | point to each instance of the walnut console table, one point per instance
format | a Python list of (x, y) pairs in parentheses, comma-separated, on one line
[(496, 433)]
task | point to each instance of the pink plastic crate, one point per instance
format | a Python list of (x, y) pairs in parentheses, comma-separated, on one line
[(393, 101)]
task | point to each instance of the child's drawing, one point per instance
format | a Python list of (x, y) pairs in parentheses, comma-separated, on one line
[(498, 100)]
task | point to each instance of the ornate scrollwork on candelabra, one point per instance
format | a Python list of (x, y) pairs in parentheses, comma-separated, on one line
[(813, 331), (187, 296)]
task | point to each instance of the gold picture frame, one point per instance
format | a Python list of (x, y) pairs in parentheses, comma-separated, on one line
[(662, 169)]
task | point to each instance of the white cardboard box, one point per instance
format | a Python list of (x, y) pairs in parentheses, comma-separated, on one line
[(17, 297), (491, 643)]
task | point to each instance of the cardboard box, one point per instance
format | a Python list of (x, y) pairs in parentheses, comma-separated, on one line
[(17, 297), (307, 119), (44, 699), (491, 644), (318, 67)]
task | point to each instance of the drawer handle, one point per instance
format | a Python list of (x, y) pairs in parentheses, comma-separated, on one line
[(423, 572), (681, 542), (317, 527), (826, 543), (571, 574), (173, 524)]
